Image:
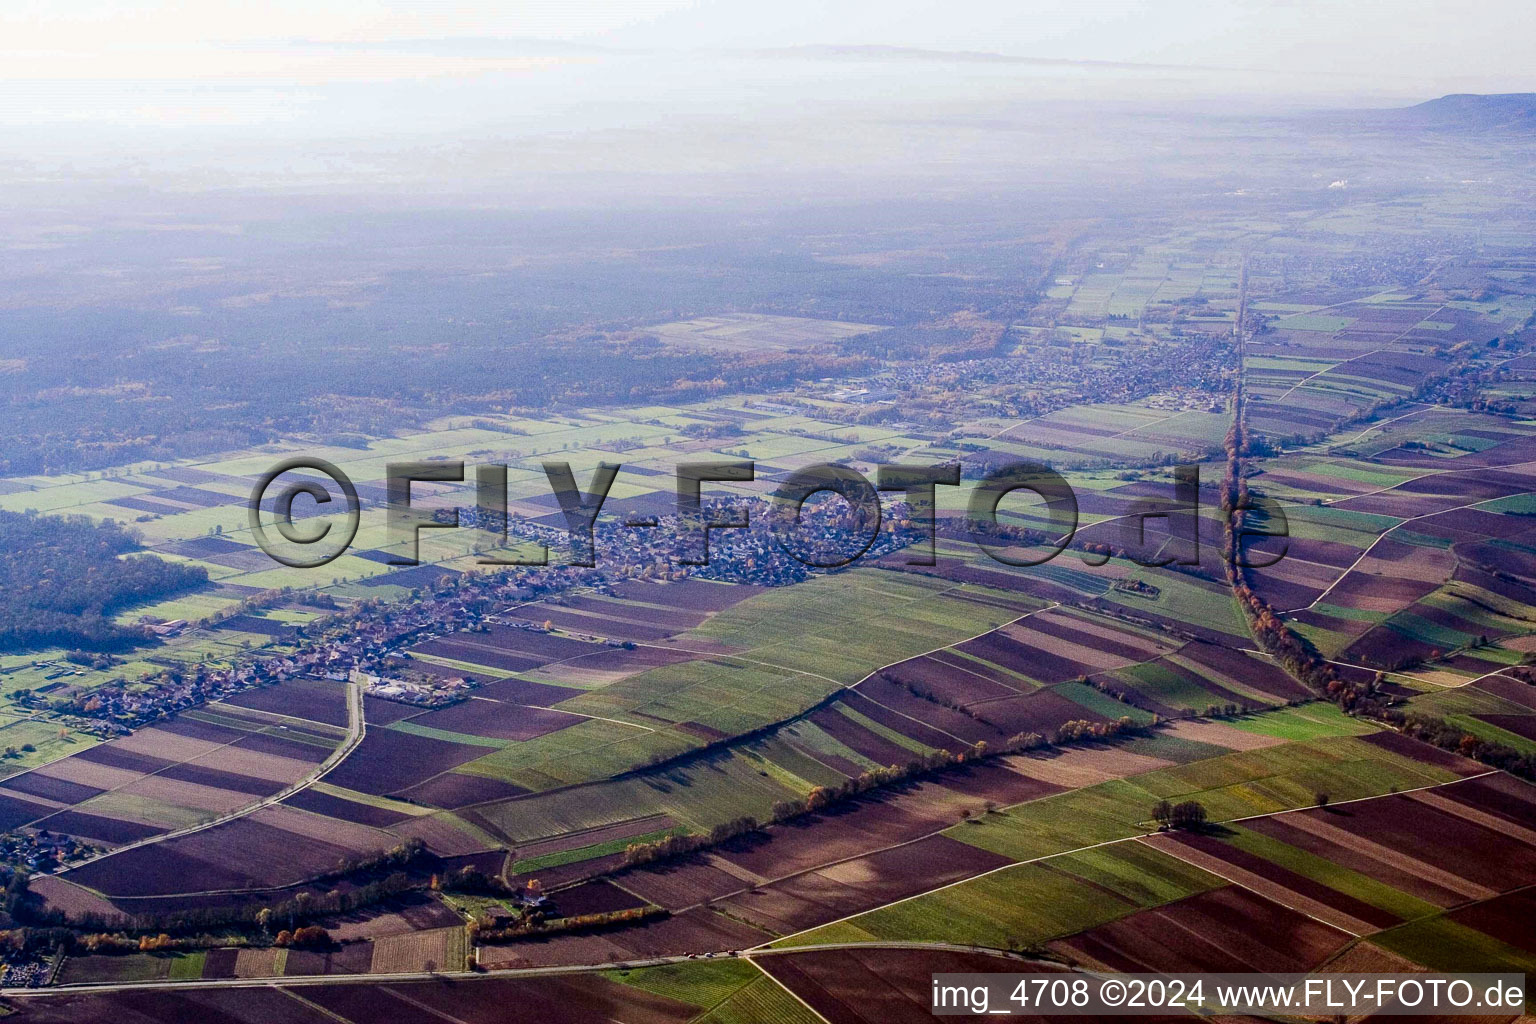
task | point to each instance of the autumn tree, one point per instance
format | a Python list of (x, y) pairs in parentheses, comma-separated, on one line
[(311, 935)]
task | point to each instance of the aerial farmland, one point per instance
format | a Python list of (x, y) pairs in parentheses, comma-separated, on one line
[(990, 535)]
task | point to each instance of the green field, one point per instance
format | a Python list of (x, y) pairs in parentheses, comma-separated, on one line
[(726, 991), (1156, 681), (799, 645), (1444, 945), (1023, 906), (704, 984), (761, 1000), (842, 627), (1236, 785), (550, 860), (119, 968), (701, 794), (1306, 722), (1335, 876)]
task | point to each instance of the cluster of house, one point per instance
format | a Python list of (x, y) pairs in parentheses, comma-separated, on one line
[(659, 552), (367, 642), (370, 637), (41, 850), (1035, 380), (25, 970), (423, 692)]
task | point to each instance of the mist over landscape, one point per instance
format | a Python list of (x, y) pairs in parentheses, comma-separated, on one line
[(496, 211), (707, 511)]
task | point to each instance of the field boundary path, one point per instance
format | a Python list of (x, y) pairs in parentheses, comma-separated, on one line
[(301, 980), (1383, 536), (635, 964), (357, 728), (1136, 837), (772, 725)]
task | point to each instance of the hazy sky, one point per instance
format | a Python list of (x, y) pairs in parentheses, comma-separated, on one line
[(396, 93), (1430, 42)]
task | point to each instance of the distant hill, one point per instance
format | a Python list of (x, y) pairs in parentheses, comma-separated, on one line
[(1513, 112)]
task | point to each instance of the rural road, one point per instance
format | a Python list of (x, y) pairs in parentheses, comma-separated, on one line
[(747, 954), (524, 972), (356, 729), (1372, 547)]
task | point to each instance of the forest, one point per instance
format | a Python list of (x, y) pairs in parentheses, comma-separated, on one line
[(61, 578), (100, 382)]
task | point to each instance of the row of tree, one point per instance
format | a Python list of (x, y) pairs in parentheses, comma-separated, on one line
[(822, 797), (537, 924), (292, 913), (1362, 697), (1447, 735)]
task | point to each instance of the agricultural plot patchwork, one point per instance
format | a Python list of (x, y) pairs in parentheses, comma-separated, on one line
[(552, 999), (850, 987), (1406, 555), (196, 767), (1312, 368), (947, 701), (886, 851), (410, 935), (966, 752), (968, 651), (195, 512), (1401, 873), (731, 675), (1039, 834)]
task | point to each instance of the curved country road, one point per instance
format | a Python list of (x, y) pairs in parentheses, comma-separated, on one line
[(356, 729)]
